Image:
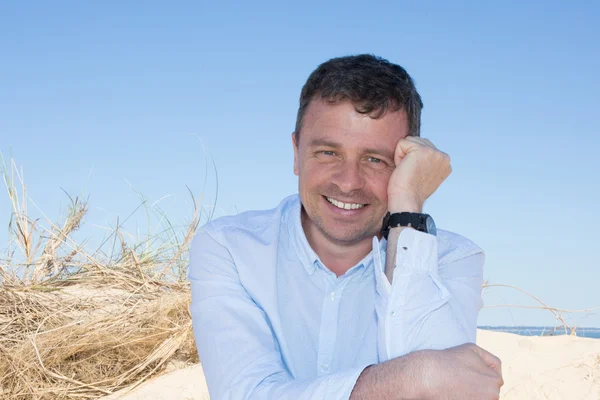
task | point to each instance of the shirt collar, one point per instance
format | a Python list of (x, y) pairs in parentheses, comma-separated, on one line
[(307, 255)]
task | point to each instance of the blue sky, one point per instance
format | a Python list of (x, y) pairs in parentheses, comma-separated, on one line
[(109, 99)]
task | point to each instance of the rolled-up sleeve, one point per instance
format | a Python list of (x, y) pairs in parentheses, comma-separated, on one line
[(237, 348), (428, 305)]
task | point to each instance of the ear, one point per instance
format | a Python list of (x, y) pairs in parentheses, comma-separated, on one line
[(295, 145)]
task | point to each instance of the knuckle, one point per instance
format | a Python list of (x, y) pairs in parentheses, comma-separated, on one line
[(427, 150), (444, 157), (441, 157)]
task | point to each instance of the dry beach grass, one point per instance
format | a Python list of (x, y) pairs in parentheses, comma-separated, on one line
[(79, 324)]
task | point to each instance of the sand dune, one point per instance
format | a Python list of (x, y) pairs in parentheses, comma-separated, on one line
[(559, 367), (182, 384), (556, 367)]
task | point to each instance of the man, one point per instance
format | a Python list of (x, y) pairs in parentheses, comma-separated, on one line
[(310, 300)]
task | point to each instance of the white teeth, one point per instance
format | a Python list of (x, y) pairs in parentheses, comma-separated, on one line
[(345, 206)]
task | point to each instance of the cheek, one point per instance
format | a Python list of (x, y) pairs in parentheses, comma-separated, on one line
[(314, 174), (378, 183)]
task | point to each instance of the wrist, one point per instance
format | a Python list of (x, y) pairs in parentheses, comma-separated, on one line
[(404, 204), (415, 373), (396, 231), (422, 373)]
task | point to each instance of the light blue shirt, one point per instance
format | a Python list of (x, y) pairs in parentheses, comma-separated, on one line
[(272, 322)]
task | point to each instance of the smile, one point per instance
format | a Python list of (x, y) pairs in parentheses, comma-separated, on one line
[(344, 206)]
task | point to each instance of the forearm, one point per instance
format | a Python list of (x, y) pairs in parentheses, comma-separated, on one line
[(396, 379), (447, 296)]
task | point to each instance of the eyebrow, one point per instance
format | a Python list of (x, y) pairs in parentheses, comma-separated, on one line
[(324, 142)]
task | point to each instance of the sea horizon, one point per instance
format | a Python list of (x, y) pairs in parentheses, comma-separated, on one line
[(525, 330)]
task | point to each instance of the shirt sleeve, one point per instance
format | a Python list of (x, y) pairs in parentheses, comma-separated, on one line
[(237, 348), (428, 305)]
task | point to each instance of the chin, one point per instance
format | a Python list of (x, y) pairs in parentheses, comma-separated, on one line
[(347, 236)]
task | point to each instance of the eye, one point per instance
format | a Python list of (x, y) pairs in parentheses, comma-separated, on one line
[(376, 163), (326, 155)]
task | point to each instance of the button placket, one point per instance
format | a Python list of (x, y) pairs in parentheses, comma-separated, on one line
[(328, 330)]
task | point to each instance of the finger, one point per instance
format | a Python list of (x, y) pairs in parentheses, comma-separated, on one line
[(411, 143), (491, 360), (429, 143), (404, 146), (421, 141), (416, 139)]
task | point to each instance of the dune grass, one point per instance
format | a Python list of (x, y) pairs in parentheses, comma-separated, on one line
[(82, 324)]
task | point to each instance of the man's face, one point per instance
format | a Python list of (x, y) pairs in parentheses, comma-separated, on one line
[(344, 160)]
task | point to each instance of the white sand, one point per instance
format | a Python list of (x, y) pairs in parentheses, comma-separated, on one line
[(560, 367), (557, 367), (182, 384)]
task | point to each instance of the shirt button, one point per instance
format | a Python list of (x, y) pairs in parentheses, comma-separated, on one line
[(325, 367), (393, 313), (332, 296)]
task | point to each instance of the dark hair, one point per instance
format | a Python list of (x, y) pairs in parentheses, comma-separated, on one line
[(371, 83)]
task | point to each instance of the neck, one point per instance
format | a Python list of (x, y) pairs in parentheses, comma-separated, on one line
[(337, 256)]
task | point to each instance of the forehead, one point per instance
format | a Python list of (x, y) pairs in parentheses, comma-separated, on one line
[(341, 123)]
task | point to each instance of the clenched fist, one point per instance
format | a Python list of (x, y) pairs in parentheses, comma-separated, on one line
[(420, 170), (462, 372)]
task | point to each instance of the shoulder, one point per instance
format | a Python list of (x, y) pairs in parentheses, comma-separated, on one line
[(453, 247), (258, 225), (234, 244)]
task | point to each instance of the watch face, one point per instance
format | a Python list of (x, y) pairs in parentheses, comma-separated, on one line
[(431, 226)]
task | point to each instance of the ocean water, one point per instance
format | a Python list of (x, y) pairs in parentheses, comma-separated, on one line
[(543, 330)]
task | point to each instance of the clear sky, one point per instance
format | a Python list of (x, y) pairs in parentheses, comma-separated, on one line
[(109, 98)]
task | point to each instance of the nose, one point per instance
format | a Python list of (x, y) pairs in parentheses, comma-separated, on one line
[(348, 176)]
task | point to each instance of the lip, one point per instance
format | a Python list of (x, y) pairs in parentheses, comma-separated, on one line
[(345, 213)]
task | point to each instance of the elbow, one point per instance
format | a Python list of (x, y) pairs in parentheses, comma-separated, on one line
[(258, 384)]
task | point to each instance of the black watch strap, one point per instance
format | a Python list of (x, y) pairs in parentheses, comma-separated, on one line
[(414, 220)]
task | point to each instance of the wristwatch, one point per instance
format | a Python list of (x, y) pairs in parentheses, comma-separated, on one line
[(421, 222)]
